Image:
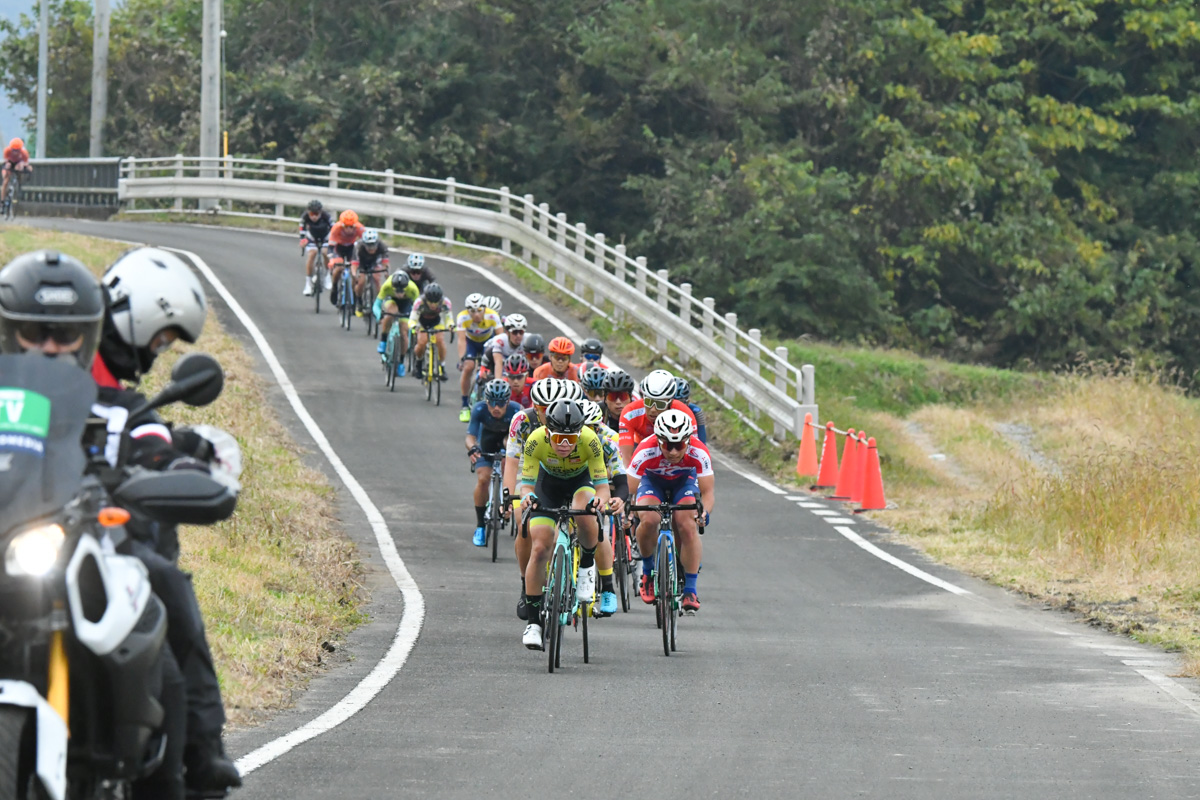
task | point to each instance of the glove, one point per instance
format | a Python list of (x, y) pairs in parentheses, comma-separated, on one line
[(225, 463)]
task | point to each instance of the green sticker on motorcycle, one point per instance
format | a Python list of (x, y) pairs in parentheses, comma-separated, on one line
[(24, 412)]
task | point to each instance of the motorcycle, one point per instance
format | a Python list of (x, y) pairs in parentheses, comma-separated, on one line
[(81, 633)]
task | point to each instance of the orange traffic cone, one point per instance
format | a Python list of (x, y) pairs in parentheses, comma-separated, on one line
[(806, 459), (872, 495), (860, 468), (844, 481), (828, 474)]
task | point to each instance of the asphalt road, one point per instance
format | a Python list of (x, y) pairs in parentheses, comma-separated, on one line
[(814, 668)]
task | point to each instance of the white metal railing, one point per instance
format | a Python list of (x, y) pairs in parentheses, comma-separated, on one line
[(566, 255)]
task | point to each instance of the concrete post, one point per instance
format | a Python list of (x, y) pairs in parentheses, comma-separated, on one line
[(581, 252), (755, 358), (179, 177), (333, 175), (560, 235), (280, 177), (639, 276), (731, 348), (389, 190), (450, 187), (663, 297), (544, 228), (707, 315), (781, 356), (525, 254), (506, 211)]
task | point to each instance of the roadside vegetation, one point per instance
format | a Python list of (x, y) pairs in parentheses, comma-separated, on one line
[(279, 583)]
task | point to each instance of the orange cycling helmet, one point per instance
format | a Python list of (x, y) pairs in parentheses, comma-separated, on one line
[(16, 144), (562, 346), (348, 218)]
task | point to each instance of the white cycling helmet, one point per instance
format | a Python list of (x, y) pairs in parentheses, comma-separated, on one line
[(514, 322), (546, 391), (573, 390), (416, 261), (370, 236), (658, 385), (592, 413), (151, 290), (493, 302), (474, 300), (673, 426)]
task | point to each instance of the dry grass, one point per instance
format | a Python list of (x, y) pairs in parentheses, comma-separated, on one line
[(279, 579)]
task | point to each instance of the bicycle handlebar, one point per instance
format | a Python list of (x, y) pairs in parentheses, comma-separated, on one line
[(664, 510)]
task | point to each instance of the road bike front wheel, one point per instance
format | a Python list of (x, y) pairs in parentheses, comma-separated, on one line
[(622, 567), (664, 590), (495, 520), (552, 605)]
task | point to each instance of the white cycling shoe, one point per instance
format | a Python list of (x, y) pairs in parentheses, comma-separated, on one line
[(328, 281), (308, 289), (585, 588), (532, 638)]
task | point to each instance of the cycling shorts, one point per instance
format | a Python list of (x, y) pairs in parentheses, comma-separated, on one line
[(403, 307), (346, 251), (496, 447), (553, 492), (674, 492), (474, 349), (10, 166), (432, 327), (309, 244)]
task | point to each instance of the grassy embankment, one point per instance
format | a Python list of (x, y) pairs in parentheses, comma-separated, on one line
[(279, 578), (1106, 530)]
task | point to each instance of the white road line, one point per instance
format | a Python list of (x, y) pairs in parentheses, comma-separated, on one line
[(414, 603), (904, 565), (839, 520), (824, 512)]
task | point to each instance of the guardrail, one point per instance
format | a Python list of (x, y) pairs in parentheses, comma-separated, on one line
[(685, 329), (73, 183)]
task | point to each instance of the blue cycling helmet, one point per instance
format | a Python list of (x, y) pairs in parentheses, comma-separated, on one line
[(497, 392), (683, 390), (593, 379)]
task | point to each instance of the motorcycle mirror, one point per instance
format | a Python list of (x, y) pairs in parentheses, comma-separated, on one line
[(197, 380)]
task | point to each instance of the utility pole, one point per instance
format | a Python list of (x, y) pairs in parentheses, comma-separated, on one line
[(43, 59), (210, 94), (99, 79)]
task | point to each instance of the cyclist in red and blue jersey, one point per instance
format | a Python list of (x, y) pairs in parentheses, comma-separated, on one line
[(683, 393), (486, 432), (672, 467), (637, 420)]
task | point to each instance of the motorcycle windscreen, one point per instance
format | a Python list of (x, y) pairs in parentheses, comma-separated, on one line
[(44, 407)]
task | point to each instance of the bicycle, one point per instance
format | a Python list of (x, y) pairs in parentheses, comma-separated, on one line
[(320, 267), (13, 194), (345, 299), (668, 571), (498, 500), (391, 359), (366, 302), (624, 565), (411, 354), (430, 375), (560, 603)]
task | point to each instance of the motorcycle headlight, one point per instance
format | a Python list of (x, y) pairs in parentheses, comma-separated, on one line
[(34, 552)]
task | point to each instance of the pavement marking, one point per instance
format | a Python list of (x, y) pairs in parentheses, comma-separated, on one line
[(904, 565), (812, 505), (839, 520), (414, 604), (824, 512), (1186, 698)]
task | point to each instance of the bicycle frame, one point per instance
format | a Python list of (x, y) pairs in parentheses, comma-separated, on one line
[(494, 515), (560, 604), (668, 573)]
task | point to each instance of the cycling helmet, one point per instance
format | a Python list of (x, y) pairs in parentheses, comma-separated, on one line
[(514, 322), (592, 413), (16, 144), (658, 385), (515, 365), (416, 261), (150, 290), (561, 345), (618, 380), (546, 391), (434, 293), (493, 302), (348, 218), (399, 281), (592, 347), (47, 293), (534, 343), (564, 416), (573, 390), (673, 426), (370, 237), (683, 390), (474, 301), (315, 206), (497, 392), (594, 379)]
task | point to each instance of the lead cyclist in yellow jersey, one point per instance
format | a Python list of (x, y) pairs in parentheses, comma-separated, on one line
[(563, 465), (477, 323)]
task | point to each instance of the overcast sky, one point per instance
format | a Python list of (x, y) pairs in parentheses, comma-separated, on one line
[(10, 115)]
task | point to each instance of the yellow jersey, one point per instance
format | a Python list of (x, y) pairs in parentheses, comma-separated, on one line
[(588, 454)]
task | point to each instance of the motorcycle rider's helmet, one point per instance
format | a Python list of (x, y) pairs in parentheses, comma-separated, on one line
[(47, 295)]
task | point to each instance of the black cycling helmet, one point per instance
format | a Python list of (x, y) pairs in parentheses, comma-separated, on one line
[(565, 416), (594, 379), (497, 392), (683, 390), (315, 206), (516, 364), (534, 343), (46, 294), (434, 293), (618, 380), (399, 281), (592, 346)]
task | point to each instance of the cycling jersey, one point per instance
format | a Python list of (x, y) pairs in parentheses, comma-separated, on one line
[(547, 371), (648, 463), (636, 426), (586, 456), (422, 278), (523, 424), (500, 343), (388, 292), (14, 158), (368, 261), (612, 456), (315, 230), (345, 235), (478, 331), (489, 431), (436, 319)]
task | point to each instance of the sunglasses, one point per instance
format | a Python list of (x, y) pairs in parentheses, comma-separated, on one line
[(595, 395), (658, 405), (38, 333), (591, 356), (673, 446), (564, 438), (618, 397)]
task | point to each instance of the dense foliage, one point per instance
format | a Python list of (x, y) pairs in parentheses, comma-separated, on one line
[(1003, 180)]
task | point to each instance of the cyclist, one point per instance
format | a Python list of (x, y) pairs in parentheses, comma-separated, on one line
[(593, 384), (395, 302), (672, 467), (418, 273), (637, 420), (559, 363), (619, 487), (683, 393), (342, 236), (535, 350), (490, 419), (503, 345), (16, 159), (592, 351), (370, 258), (478, 324), (516, 372), (618, 393), (431, 315), (494, 303), (315, 224), (563, 465)]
